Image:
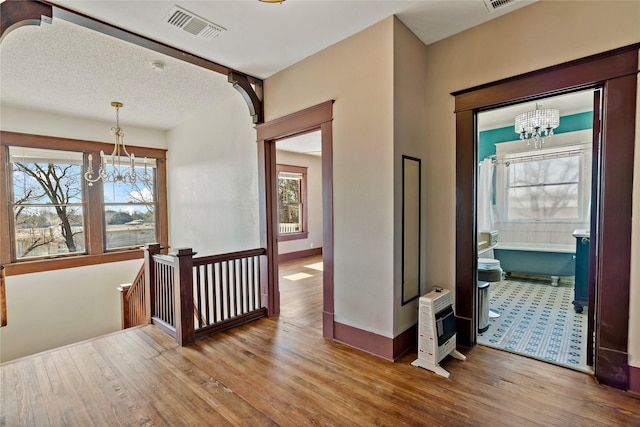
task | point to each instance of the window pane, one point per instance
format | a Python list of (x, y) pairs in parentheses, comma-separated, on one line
[(142, 191), (544, 189), (129, 225), (40, 232), (129, 211), (290, 218), (289, 190), (46, 202)]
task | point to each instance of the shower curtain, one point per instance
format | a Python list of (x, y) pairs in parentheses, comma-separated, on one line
[(485, 204)]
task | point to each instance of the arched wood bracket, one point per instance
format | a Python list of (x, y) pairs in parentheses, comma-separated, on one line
[(15, 14), (241, 83)]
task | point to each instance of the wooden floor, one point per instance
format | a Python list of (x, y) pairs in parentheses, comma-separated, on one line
[(281, 371)]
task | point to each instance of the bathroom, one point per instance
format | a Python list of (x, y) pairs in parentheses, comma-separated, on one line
[(533, 220)]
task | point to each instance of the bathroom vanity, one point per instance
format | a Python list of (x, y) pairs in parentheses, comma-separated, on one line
[(582, 269)]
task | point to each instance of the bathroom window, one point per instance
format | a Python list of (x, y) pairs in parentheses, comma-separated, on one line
[(547, 186)]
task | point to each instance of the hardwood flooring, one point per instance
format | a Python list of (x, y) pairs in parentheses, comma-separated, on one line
[(281, 371)]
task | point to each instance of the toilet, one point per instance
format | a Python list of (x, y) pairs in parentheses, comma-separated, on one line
[(489, 270)]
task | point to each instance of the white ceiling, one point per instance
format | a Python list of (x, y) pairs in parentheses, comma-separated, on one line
[(71, 70)]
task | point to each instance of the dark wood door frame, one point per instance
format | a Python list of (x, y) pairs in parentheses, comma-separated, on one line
[(616, 73), (319, 117)]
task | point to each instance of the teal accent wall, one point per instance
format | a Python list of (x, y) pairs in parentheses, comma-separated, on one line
[(488, 139)]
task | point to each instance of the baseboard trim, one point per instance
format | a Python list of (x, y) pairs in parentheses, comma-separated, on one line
[(634, 380), (299, 254), (390, 349)]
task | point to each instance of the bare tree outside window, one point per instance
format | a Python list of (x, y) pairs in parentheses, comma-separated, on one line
[(47, 203)]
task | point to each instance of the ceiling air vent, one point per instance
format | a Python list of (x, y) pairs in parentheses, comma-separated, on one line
[(493, 5), (192, 23)]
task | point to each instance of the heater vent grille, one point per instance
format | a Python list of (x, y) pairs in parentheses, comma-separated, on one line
[(193, 24), (493, 5)]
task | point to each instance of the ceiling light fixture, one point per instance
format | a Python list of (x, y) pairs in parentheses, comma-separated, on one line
[(120, 166), (271, 1), (537, 125)]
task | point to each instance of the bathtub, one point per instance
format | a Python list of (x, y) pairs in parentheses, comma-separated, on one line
[(537, 259)]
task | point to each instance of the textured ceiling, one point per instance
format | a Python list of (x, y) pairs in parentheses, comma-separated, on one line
[(68, 69)]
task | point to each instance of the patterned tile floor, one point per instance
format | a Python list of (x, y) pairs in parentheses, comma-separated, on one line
[(537, 320)]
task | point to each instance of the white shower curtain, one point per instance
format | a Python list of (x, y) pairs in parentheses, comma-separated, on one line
[(485, 207)]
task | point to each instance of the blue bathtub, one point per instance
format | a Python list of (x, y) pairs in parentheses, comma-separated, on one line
[(537, 259)]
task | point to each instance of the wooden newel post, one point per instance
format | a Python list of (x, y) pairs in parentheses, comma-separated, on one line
[(150, 249), (3, 299), (183, 295), (124, 304)]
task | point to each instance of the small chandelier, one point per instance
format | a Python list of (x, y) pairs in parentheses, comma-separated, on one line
[(121, 163), (536, 125)]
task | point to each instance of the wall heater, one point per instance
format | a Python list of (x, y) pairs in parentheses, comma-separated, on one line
[(436, 331)]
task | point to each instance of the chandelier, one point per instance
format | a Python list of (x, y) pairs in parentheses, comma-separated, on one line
[(120, 166), (536, 125)]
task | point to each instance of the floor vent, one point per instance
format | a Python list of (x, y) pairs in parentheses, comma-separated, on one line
[(493, 5), (191, 23)]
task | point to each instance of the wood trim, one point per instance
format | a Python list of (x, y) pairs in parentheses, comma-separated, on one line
[(17, 13), (386, 348), (296, 123), (5, 235), (310, 119), (466, 236), (43, 141), (366, 341), (405, 342), (268, 217), (634, 380), (3, 299), (26, 267), (327, 229), (299, 254), (616, 71)]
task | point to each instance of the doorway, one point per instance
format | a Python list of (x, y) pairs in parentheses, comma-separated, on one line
[(616, 72), (299, 170), (534, 207), (312, 119)]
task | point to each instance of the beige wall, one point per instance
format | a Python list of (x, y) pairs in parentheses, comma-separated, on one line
[(357, 73), (409, 138), (314, 200), (495, 50)]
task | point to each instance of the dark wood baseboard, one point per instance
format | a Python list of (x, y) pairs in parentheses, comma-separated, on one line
[(387, 348), (612, 369), (634, 380), (299, 254)]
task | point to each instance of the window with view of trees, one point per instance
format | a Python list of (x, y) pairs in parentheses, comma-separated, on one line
[(55, 220), (292, 189), (47, 202)]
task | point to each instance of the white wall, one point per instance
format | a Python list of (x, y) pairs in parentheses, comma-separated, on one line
[(498, 49), (212, 166), (314, 200), (54, 308), (357, 73), (41, 123)]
